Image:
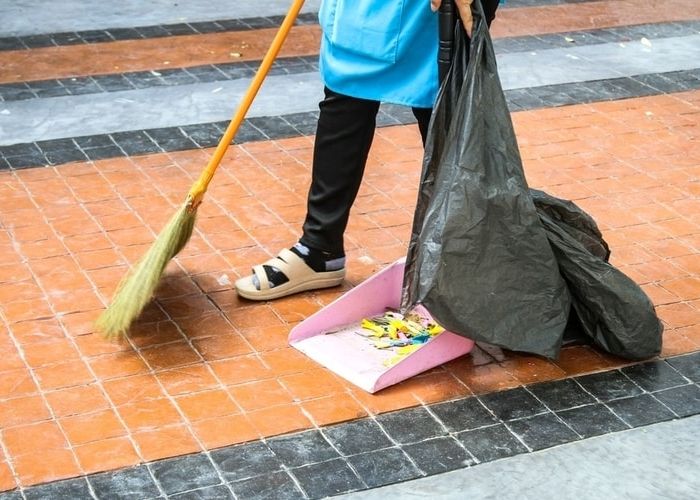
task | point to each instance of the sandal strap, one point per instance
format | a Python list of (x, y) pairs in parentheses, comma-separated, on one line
[(264, 283), (290, 264)]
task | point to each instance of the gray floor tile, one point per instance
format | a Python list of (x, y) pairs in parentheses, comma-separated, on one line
[(386, 466), (684, 401), (301, 449), (491, 443), (654, 375), (356, 437), (609, 385), (592, 420), (561, 394), (411, 425), (640, 410), (463, 414), (274, 486), (69, 489), (438, 455), (512, 403), (688, 365), (542, 431), (327, 478), (135, 483), (245, 460), (220, 492), (181, 474)]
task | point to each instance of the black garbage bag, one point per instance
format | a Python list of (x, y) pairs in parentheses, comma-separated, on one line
[(612, 310), (572, 219), (479, 258), (500, 263)]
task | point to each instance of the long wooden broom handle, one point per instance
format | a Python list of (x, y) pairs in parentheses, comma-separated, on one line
[(194, 198)]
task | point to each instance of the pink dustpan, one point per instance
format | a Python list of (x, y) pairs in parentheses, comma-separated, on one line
[(329, 338)]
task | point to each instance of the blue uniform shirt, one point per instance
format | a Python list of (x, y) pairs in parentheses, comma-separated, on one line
[(384, 50)]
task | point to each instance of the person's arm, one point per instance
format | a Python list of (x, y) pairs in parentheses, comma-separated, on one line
[(465, 12)]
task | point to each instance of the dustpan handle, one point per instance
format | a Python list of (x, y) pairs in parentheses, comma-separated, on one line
[(194, 198)]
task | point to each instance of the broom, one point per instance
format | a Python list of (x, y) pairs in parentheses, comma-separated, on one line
[(137, 287)]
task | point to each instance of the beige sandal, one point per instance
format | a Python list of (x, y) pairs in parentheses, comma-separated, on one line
[(300, 278)]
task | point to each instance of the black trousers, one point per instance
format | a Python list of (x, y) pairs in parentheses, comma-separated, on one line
[(344, 135)]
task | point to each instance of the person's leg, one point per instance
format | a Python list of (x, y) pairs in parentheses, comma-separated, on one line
[(490, 7), (344, 136), (423, 118)]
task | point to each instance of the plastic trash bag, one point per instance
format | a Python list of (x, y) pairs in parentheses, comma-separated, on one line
[(479, 259), (500, 263), (612, 310)]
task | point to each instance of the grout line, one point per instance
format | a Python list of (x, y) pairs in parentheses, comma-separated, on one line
[(474, 460), (552, 411)]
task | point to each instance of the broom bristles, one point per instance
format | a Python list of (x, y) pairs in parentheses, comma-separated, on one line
[(138, 286)]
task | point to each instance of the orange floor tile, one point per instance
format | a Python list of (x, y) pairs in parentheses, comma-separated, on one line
[(203, 368)]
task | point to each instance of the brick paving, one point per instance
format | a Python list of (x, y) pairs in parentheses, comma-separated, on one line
[(203, 369)]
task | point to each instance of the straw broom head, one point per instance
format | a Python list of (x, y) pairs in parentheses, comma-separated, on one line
[(138, 286)]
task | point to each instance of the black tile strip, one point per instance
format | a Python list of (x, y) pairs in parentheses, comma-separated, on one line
[(274, 485), (542, 431), (491, 443), (69, 488), (360, 436), (683, 401), (202, 27), (592, 420), (654, 376), (327, 478), (382, 467), (688, 366), (135, 483), (302, 64), (302, 449), (463, 414), (409, 443), (177, 475), (561, 394), (411, 426), (442, 454), (220, 492), (619, 34), (43, 153), (640, 410), (244, 462), (513, 404)]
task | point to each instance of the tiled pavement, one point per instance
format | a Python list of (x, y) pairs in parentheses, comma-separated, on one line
[(204, 371)]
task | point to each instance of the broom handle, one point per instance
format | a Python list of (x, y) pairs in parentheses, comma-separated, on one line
[(194, 198)]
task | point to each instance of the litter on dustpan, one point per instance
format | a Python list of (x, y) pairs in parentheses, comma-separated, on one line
[(399, 334)]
